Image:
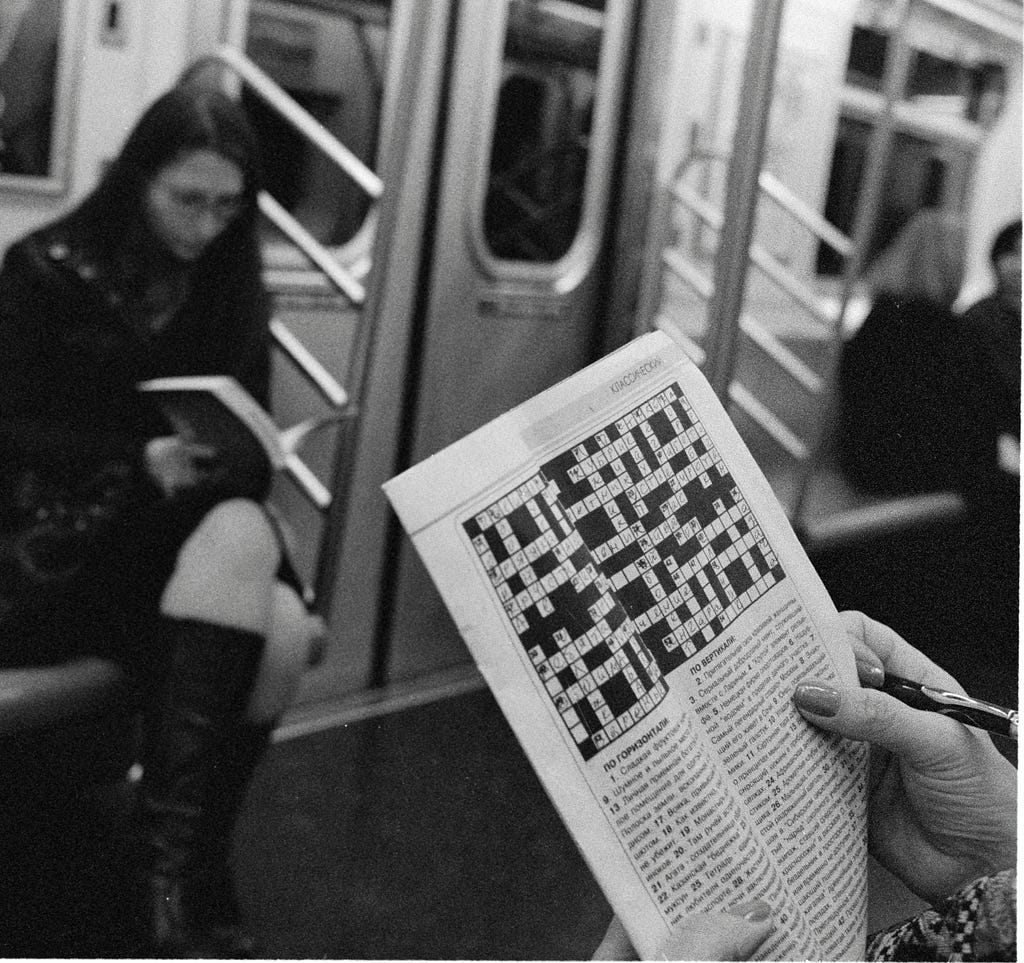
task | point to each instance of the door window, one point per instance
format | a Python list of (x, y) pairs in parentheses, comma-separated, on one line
[(541, 148), (331, 57)]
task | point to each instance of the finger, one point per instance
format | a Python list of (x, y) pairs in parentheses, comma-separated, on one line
[(735, 935), (875, 643), (616, 944), (876, 717), (198, 450)]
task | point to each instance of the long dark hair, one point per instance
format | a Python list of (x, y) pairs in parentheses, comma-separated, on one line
[(225, 316), (193, 115)]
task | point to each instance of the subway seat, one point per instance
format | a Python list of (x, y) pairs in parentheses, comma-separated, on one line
[(71, 723), (838, 517), (40, 697)]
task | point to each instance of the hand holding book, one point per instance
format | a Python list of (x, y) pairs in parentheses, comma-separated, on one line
[(176, 464), (222, 436)]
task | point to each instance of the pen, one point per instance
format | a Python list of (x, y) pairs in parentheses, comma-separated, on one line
[(972, 712)]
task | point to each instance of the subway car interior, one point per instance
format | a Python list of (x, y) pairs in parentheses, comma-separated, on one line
[(465, 202)]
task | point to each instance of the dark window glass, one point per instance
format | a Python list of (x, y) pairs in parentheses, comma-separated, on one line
[(332, 61), (936, 77), (866, 63), (915, 178), (540, 148)]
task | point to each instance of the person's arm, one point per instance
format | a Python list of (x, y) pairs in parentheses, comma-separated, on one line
[(942, 800), (72, 456), (55, 411)]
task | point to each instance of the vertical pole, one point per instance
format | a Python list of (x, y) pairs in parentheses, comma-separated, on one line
[(869, 202), (343, 466), (741, 193)]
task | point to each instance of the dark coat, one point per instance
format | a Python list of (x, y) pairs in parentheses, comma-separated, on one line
[(913, 413), (73, 426), (994, 330)]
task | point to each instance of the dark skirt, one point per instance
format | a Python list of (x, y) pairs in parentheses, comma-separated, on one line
[(104, 606), (108, 607)]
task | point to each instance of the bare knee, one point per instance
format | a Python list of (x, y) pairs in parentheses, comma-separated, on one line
[(236, 539), (291, 632)]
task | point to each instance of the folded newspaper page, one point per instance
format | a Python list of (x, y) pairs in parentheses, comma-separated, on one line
[(633, 594)]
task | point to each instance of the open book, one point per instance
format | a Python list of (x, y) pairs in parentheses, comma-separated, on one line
[(217, 411), (633, 594)]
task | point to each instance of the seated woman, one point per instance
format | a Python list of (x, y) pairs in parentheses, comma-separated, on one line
[(126, 541), (909, 402)]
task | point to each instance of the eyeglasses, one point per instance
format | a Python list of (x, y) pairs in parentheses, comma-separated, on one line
[(195, 203)]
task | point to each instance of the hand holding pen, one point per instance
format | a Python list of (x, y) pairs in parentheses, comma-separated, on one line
[(941, 797), (998, 720)]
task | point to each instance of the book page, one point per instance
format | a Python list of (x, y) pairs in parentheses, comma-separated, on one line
[(214, 409), (635, 598)]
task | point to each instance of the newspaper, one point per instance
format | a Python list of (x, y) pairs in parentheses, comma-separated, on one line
[(633, 594)]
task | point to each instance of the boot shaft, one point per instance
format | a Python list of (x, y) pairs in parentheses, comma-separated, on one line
[(194, 774)]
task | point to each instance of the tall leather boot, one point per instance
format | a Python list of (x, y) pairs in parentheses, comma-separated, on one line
[(209, 676), (216, 899)]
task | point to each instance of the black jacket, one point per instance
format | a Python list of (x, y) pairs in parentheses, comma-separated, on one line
[(72, 424), (915, 415)]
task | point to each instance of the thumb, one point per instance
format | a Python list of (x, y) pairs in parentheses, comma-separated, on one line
[(196, 449), (876, 717), (734, 935)]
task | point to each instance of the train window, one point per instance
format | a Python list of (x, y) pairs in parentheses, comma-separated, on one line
[(331, 57), (866, 63), (945, 82), (920, 173), (951, 94), (541, 147)]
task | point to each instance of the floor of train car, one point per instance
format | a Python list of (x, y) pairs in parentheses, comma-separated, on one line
[(420, 833)]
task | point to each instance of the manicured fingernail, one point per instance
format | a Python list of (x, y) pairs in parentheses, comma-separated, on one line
[(754, 911), (817, 699), (871, 676)]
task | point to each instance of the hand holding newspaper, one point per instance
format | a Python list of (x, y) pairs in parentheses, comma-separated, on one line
[(635, 597)]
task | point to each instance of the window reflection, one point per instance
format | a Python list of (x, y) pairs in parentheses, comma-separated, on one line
[(331, 58), (953, 96), (540, 148)]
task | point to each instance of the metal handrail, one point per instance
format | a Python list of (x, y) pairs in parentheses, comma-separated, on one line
[(795, 205), (761, 257), (775, 271), (308, 366), (312, 248), (774, 426), (315, 374), (262, 85), (703, 286)]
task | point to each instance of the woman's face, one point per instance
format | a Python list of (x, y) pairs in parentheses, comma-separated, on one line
[(191, 200)]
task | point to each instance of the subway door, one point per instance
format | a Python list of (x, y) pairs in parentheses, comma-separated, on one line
[(523, 195)]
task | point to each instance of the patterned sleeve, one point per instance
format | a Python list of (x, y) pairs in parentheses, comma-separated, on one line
[(977, 923)]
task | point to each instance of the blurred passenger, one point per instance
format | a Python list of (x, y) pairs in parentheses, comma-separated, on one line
[(909, 391), (993, 325), (942, 817), (125, 540)]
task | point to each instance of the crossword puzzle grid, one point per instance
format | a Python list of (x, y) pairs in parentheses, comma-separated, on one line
[(577, 636), (621, 559), (653, 500)]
